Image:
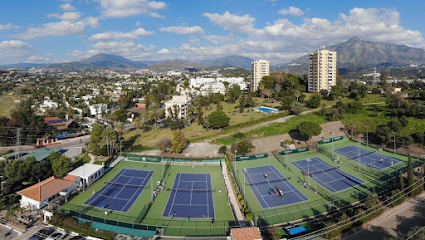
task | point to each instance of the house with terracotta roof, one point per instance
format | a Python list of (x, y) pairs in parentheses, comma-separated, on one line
[(39, 195), (248, 233)]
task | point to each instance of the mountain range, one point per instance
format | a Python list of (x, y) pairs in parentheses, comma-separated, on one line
[(356, 54), (352, 54)]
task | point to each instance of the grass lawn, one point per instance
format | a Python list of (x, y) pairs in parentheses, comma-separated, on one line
[(275, 128), (373, 116), (369, 98), (319, 202), (8, 104)]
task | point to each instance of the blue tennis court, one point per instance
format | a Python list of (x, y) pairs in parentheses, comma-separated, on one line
[(122, 191), (371, 159), (191, 196), (328, 176), (271, 188)]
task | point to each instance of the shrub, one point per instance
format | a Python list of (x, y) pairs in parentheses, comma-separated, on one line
[(242, 201), (71, 224), (249, 216), (238, 135), (240, 196)]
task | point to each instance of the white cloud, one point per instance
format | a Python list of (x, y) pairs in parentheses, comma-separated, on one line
[(8, 26), (138, 24), (294, 11), (13, 51), (163, 51), (220, 39), (63, 28), (146, 48), (127, 8), (67, 7), (67, 16), (37, 59), (135, 34), (243, 24), (284, 40), (127, 49), (182, 30)]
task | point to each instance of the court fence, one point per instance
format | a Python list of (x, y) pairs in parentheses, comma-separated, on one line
[(376, 185), (252, 157), (298, 150), (163, 227), (144, 158)]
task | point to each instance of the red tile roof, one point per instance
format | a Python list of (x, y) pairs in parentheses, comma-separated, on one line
[(47, 119), (48, 188), (249, 233)]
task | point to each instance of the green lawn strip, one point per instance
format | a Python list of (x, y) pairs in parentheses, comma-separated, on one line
[(276, 128)]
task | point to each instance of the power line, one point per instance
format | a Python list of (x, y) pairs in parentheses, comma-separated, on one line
[(415, 233), (335, 226)]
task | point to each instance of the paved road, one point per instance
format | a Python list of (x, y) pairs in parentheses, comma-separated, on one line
[(395, 220), (66, 144)]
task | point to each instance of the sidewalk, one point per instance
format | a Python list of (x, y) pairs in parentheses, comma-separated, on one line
[(232, 196)]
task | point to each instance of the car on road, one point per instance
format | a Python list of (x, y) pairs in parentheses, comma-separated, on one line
[(42, 234), (77, 238), (57, 236)]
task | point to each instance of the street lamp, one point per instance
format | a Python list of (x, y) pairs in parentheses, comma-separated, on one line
[(332, 145), (358, 155), (308, 171), (395, 151), (367, 135)]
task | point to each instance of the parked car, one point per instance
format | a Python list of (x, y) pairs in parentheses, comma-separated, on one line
[(57, 236), (42, 234), (77, 238)]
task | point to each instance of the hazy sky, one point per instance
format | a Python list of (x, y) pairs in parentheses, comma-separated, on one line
[(41, 31)]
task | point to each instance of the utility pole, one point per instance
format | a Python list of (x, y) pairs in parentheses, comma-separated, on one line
[(18, 142), (367, 135)]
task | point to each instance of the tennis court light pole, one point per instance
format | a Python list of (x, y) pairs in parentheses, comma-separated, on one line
[(395, 149), (308, 171), (367, 135), (358, 155)]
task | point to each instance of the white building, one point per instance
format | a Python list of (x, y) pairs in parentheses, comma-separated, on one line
[(89, 173), (259, 69), (321, 70), (39, 195), (177, 106), (96, 110)]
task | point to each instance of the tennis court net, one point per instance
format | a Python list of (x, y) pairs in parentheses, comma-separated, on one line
[(124, 184), (322, 171), (191, 190), (267, 181), (362, 155)]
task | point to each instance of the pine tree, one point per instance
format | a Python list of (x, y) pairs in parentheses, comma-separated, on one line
[(410, 176), (401, 183)]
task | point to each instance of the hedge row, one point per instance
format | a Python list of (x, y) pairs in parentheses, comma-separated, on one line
[(71, 224)]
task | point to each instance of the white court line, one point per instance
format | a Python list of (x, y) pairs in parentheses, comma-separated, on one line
[(257, 190), (174, 198), (143, 187), (287, 184)]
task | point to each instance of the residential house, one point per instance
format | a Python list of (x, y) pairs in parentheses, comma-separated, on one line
[(41, 194)]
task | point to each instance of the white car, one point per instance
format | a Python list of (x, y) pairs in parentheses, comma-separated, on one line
[(57, 236)]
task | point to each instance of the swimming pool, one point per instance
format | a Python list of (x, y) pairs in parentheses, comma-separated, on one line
[(267, 110)]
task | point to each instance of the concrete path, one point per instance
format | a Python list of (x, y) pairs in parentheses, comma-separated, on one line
[(232, 196), (395, 220)]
